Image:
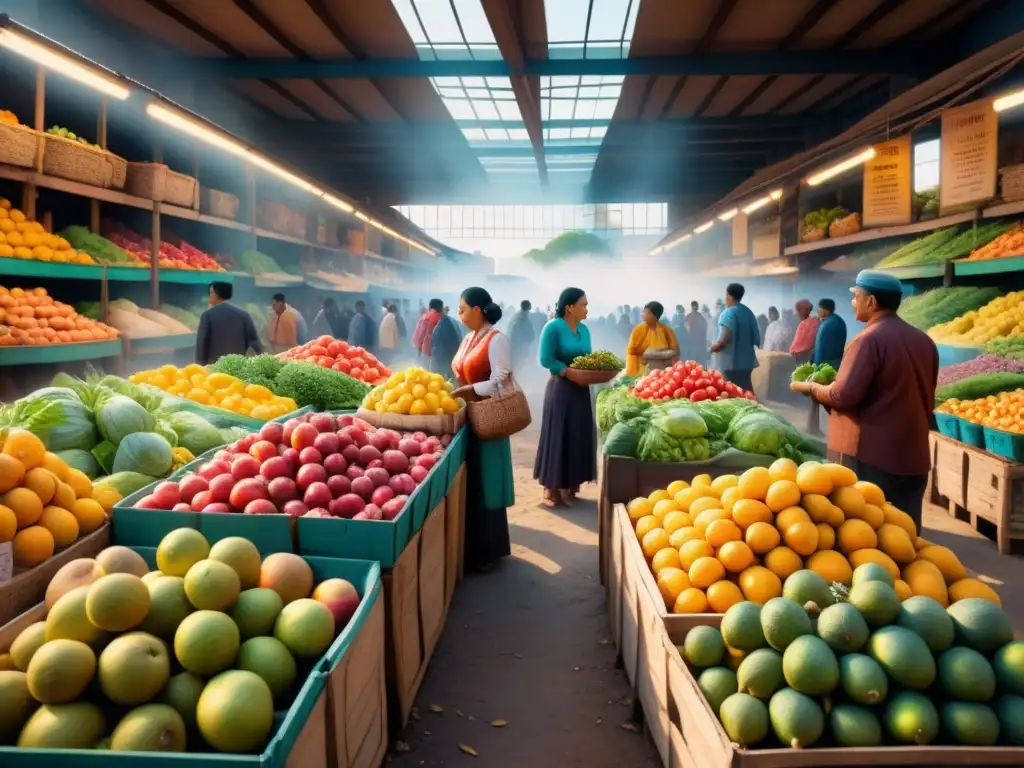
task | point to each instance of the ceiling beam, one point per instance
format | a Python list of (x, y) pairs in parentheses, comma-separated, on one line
[(888, 60), (505, 19), (703, 46)]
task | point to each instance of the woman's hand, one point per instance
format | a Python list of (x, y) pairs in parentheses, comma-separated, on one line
[(803, 387), (467, 393)]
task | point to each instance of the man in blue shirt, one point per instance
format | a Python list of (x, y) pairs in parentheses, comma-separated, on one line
[(738, 335), (830, 340)]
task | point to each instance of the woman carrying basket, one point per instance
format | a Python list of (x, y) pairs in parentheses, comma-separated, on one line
[(566, 455), (483, 369)]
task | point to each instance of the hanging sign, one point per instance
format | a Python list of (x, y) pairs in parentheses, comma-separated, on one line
[(739, 234), (766, 243), (888, 184), (968, 154)]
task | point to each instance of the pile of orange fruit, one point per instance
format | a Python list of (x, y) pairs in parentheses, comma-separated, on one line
[(1004, 411), (45, 505), (715, 542), (32, 317), (22, 238)]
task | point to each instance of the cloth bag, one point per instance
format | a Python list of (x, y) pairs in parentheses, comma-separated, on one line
[(499, 417)]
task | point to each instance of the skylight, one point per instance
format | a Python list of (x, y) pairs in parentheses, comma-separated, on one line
[(590, 29)]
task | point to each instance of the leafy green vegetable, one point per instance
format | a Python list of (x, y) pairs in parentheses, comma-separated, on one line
[(145, 452), (681, 422), (719, 414), (258, 263), (940, 305), (119, 416), (695, 449), (266, 366), (97, 246), (622, 440), (803, 372), (164, 429), (322, 388), (982, 385), (232, 365), (823, 374), (68, 424), (657, 446), (104, 454), (823, 218), (81, 460), (598, 361), (194, 432)]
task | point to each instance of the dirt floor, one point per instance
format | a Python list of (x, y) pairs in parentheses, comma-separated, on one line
[(524, 673)]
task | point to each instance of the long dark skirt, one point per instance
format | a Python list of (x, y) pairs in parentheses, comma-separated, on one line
[(490, 490), (566, 453)]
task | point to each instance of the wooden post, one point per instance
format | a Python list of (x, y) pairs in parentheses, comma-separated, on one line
[(105, 298), (154, 267), (28, 192), (101, 139)]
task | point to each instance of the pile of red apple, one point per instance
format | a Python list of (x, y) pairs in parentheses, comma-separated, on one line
[(171, 257), (316, 465)]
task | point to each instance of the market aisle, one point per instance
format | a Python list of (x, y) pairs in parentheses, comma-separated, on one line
[(529, 644)]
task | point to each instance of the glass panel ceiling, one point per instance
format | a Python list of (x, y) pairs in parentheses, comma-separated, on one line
[(575, 110)]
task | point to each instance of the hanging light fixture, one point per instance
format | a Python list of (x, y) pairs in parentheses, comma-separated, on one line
[(91, 75), (851, 162)]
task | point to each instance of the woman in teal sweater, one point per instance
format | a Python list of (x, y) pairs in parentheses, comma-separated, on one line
[(566, 455)]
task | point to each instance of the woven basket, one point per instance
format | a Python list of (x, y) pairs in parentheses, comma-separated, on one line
[(68, 159), (118, 170), (848, 225), (18, 145), (499, 417), (813, 234), (219, 204), (590, 378), (157, 182), (446, 424), (279, 218)]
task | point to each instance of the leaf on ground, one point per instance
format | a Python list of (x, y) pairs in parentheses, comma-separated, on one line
[(499, 723), (468, 750), (436, 708), (629, 727), (402, 746)]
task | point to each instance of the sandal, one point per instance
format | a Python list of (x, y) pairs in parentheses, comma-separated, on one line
[(553, 499)]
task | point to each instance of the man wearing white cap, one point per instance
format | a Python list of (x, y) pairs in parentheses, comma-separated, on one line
[(882, 400)]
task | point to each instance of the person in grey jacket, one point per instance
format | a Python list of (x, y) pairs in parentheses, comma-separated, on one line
[(225, 329)]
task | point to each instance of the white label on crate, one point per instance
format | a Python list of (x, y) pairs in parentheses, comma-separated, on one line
[(6, 563)]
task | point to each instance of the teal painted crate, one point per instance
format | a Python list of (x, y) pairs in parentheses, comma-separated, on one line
[(951, 355), (288, 723), (972, 434), (948, 425), (379, 540), (1006, 444)]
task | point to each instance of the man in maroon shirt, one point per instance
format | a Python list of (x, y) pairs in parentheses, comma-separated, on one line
[(881, 402)]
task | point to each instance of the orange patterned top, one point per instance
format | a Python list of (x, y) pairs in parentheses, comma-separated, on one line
[(472, 363)]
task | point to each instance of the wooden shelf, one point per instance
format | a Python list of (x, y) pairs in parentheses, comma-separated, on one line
[(989, 266), (882, 233)]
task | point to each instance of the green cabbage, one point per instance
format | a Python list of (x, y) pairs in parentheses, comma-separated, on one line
[(757, 432), (656, 446), (695, 448), (126, 483), (57, 417), (719, 414), (81, 460), (803, 372), (682, 422), (145, 452), (104, 454), (118, 416), (194, 432), (823, 374), (165, 430)]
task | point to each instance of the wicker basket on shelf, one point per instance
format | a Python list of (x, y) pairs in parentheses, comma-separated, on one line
[(848, 225), (279, 218), (1011, 183), (220, 204), (813, 234), (155, 181), (70, 159), (118, 170), (18, 145)]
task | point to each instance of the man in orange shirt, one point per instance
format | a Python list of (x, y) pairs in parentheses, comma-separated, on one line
[(282, 328)]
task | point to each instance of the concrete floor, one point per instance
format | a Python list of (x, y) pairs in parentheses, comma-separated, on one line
[(528, 644)]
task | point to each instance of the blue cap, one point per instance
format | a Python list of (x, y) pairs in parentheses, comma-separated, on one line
[(877, 281)]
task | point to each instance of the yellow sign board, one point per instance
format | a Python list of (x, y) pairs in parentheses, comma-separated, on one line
[(969, 154), (888, 184), (739, 234)]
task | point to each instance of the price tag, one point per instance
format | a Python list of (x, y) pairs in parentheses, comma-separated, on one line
[(6, 563)]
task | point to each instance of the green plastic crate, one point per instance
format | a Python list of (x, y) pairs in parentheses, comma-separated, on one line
[(948, 425), (288, 724), (379, 540), (972, 434), (1006, 444)]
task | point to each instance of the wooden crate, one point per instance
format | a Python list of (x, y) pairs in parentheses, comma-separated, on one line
[(414, 596), (973, 484), (698, 739)]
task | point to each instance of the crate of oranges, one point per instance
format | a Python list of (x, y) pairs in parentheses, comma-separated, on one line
[(715, 542), (22, 238)]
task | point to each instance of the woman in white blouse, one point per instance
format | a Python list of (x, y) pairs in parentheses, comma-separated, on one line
[(483, 368), (388, 333)]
